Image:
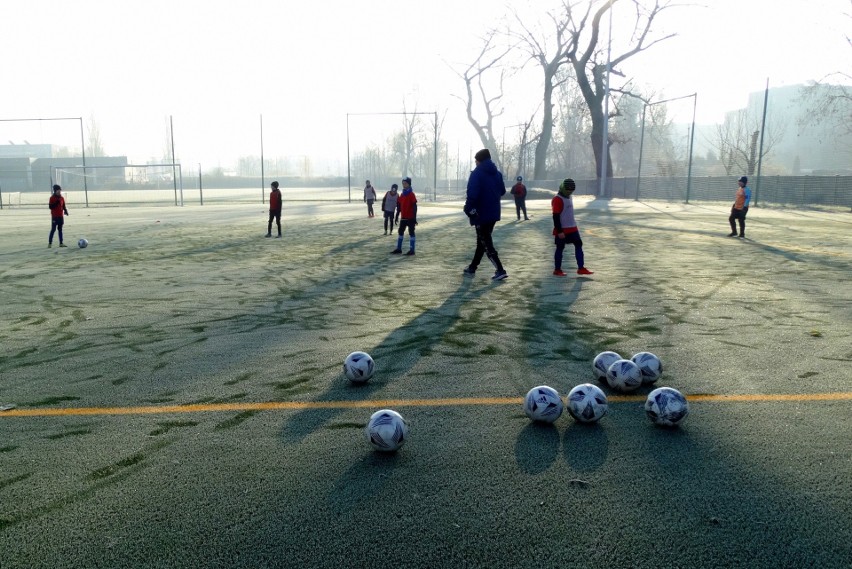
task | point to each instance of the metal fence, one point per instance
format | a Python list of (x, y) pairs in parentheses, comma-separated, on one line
[(833, 192)]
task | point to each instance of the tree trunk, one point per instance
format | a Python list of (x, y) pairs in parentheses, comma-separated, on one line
[(541, 148)]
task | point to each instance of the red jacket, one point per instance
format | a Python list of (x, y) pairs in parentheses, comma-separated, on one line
[(57, 206), (275, 200), (407, 205), (519, 191)]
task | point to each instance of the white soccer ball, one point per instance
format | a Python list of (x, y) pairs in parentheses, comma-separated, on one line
[(602, 362), (650, 366), (666, 406), (386, 430), (82, 243), (587, 403), (358, 367), (624, 375), (543, 404)]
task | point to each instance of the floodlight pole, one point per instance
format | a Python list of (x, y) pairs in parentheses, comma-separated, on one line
[(174, 169), (691, 142), (83, 152), (435, 152), (762, 130), (348, 163), (262, 173)]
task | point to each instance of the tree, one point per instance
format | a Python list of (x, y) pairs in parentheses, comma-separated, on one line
[(831, 103), (95, 145), (576, 34), (488, 60), (737, 140)]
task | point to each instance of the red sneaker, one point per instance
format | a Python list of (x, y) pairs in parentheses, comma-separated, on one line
[(584, 271), (558, 273)]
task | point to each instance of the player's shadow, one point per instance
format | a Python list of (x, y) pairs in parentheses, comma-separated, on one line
[(395, 356), (585, 446), (537, 447)]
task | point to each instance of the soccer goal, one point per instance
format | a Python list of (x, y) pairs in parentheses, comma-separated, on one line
[(123, 183), (665, 150)]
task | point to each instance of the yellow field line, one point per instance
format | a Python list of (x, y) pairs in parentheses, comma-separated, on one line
[(383, 403)]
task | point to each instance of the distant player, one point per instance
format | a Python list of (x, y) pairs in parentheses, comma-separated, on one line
[(274, 209), (742, 198), (407, 216), (58, 211), (390, 208), (565, 228), (519, 190), (370, 198)]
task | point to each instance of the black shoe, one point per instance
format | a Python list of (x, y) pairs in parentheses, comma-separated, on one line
[(468, 272), (268, 235), (500, 275), (396, 252), (410, 252), (732, 234), (63, 245)]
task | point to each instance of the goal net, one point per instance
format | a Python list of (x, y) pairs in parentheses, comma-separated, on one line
[(665, 149), (118, 177)]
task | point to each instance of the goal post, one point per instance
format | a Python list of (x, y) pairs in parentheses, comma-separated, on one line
[(122, 183)]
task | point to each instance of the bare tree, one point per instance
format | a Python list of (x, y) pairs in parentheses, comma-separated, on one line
[(831, 103), (576, 33), (737, 139), (489, 60)]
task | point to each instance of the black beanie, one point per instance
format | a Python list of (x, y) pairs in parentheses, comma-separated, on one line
[(483, 155)]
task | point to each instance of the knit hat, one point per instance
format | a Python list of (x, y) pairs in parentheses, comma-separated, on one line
[(407, 179), (56, 187), (744, 180), (394, 187), (482, 155), (567, 187), (520, 178)]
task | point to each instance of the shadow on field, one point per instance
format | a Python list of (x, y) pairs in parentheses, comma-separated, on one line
[(537, 447), (585, 446), (401, 349)]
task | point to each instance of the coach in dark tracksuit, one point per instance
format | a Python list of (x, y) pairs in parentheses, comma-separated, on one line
[(485, 187)]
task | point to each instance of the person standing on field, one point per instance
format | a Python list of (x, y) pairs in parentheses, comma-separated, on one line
[(519, 190), (565, 228), (274, 209), (407, 204), (58, 211), (369, 197), (390, 207), (742, 197), (485, 187)]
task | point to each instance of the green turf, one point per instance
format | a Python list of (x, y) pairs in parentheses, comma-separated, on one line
[(174, 306)]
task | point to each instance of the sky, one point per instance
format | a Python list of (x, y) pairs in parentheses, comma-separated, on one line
[(214, 68)]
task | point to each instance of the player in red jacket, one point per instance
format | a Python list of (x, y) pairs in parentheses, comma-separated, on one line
[(407, 203), (58, 211), (274, 209)]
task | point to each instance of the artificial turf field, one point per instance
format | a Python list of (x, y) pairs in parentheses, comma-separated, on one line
[(178, 397)]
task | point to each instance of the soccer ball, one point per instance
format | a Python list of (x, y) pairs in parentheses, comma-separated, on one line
[(624, 375), (82, 243), (386, 430), (602, 362), (587, 403), (650, 365), (358, 367), (666, 406), (543, 404)]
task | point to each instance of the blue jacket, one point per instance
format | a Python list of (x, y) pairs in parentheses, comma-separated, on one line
[(484, 189)]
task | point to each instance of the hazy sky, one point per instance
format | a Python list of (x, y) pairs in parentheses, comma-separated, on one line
[(216, 66)]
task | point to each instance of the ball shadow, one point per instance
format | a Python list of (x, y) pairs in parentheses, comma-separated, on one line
[(537, 447)]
